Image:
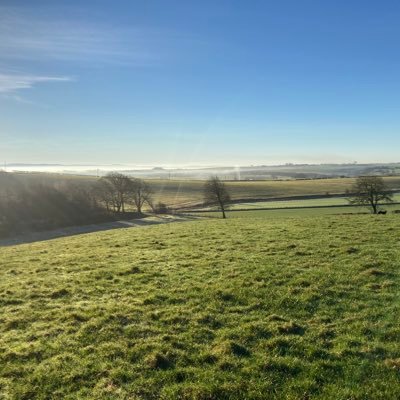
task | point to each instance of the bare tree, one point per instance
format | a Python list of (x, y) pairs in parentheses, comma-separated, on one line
[(105, 194), (120, 186), (215, 192), (141, 193), (370, 191)]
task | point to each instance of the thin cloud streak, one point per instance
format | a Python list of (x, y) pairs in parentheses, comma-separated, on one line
[(24, 36), (14, 83)]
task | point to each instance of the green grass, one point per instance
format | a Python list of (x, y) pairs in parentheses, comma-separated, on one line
[(278, 212), (255, 308), (292, 203), (321, 202), (254, 205), (185, 193)]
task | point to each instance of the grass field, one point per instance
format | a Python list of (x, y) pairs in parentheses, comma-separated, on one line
[(321, 202), (185, 193), (251, 308), (332, 201), (292, 208), (188, 192), (285, 213), (295, 212)]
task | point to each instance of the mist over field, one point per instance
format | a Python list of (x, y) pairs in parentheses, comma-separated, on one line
[(286, 171)]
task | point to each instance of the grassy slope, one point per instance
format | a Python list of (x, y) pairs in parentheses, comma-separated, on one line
[(242, 308)]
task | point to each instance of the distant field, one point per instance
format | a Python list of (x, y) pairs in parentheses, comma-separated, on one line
[(251, 308), (296, 212), (187, 193), (322, 202), (285, 213), (332, 201)]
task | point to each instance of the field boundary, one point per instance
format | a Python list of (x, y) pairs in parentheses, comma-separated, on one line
[(284, 208), (274, 199)]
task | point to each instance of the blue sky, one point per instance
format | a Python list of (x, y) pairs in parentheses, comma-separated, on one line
[(199, 82)]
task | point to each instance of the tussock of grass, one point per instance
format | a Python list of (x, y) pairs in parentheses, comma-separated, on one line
[(158, 361), (230, 347), (256, 309), (291, 328), (393, 363), (373, 272)]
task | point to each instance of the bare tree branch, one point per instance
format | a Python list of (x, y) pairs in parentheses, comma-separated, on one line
[(215, 192), (370, 191)]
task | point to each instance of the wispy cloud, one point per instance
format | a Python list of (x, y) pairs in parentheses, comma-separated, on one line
[(46, 39), (25, 35), (14, 83)]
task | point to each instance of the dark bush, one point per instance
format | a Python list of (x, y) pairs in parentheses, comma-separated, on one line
[(161, 208)]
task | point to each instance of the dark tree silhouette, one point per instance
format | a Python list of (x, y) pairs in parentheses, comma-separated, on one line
[(215, 192), (141, 193), (370, 191), (106, 194), (121, 186)]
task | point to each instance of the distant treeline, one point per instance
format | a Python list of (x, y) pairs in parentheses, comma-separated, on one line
[(34, 203)]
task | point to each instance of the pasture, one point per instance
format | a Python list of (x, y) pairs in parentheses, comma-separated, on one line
[(188, 193), (255, 308), (319, 202), (293, 212), (294, 208)]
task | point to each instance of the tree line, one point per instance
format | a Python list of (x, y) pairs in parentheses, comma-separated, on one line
[(35, 202), (33, 205), (115, 191)]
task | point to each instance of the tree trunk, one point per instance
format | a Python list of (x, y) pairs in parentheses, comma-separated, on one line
[(222, 209), (122, 203)]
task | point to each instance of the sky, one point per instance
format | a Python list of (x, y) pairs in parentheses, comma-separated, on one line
[(185, 82)]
